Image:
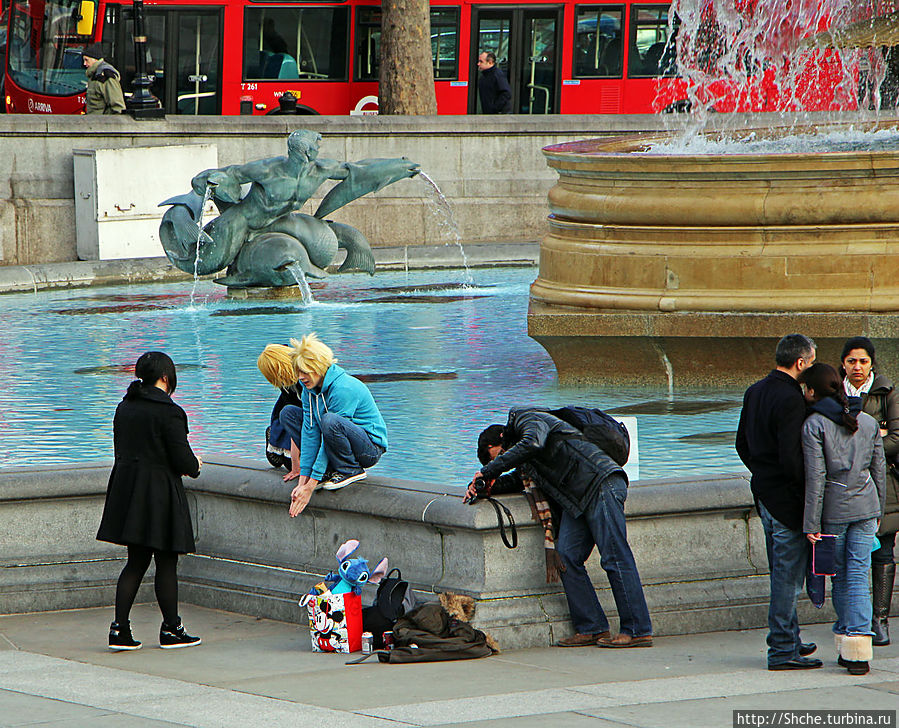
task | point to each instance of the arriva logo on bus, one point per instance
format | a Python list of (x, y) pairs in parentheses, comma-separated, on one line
[(366, 106), (39, 107)]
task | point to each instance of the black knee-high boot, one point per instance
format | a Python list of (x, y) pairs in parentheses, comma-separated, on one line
[(882, 579)]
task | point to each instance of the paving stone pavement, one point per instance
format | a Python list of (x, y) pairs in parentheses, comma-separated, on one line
[(56, 671)]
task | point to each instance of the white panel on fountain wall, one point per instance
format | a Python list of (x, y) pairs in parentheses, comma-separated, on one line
[(632, 466), (118, 191)]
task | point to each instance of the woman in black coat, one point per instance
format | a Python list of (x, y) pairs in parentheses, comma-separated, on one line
[(146, 507)]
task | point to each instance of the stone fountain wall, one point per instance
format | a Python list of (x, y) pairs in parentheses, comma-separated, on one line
[(491, 169), (690, 267), (698, 544)]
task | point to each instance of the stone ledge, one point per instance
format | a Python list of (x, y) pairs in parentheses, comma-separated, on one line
[(84, 273), (698, 545)]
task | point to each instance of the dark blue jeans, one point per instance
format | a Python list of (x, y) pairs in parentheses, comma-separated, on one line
[(602, 526), (348, 446), (787, 558)]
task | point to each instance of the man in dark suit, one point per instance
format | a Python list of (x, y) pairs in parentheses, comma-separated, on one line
[(769, 444)]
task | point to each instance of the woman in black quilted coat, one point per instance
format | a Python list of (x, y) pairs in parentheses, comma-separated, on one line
[(146, 507)]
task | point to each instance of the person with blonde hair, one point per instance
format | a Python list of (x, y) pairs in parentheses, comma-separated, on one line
[(338, 428), (276, 364)]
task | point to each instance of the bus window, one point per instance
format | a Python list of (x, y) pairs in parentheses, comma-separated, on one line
[(292, 43), (444, 42), (368, 43), (39, 57), (598, 47), (650, 52)]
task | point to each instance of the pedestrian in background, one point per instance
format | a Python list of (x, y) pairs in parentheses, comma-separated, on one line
[(493, 88), (880, 400), (769, 442), (845, 480), (104, 89)]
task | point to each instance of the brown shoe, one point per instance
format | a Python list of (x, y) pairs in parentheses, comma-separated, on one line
[(581, 640), (625, 640)]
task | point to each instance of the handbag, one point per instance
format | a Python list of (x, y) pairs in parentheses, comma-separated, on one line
[(824, 556)]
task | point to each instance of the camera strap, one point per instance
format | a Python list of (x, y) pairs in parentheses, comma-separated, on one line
[(509, 541)]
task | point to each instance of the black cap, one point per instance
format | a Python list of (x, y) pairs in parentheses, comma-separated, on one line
[(94, 50)]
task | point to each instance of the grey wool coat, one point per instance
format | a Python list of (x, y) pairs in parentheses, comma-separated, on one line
[(845, 472)]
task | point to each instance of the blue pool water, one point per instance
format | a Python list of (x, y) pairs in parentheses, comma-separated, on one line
[(66, 355)]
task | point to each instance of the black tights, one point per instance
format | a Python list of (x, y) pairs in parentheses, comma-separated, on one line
[(166, 582)]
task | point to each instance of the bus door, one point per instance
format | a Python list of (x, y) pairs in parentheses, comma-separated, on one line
[(527, 42), (183, 55)]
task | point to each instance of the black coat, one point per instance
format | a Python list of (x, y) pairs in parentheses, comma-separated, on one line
[(145, 500), (882, 403), (769, 442), (570, 468), (495, 92)]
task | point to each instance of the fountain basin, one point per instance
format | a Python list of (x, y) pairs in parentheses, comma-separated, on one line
[(673, 259)]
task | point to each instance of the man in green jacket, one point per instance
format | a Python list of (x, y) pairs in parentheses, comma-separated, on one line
[(104, 92)]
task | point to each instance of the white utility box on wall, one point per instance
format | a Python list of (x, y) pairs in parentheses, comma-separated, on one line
[(118, 191)]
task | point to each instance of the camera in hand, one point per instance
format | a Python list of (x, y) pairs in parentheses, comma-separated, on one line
[(480, 490)]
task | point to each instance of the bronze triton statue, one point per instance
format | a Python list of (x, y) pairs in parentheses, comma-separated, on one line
[(260, 234)]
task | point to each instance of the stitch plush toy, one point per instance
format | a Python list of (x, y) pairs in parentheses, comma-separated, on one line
[(353, 574)]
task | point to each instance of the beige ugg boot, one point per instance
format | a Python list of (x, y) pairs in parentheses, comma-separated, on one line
[(855, 651)]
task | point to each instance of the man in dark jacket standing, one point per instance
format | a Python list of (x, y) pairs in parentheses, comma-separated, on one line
[(590, 489), (769, 442), (493, 88), (104, 92)]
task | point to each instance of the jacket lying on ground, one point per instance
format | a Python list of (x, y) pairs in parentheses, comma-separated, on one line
[(570, 468), (430, 634), (845, 472)]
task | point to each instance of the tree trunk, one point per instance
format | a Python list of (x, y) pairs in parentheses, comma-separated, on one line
[(407, 72)]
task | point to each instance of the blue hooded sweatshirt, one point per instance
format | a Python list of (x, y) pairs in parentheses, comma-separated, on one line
[(340, 394)]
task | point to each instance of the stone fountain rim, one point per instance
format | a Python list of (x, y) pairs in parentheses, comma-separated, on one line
[(625, 147)]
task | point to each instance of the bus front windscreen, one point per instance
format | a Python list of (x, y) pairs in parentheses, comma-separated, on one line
[(41, 56)]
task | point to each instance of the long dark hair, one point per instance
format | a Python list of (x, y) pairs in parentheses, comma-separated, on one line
[(824, 381), (150, 368)]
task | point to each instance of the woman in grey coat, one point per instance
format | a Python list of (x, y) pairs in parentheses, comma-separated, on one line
[(880, 399), (845, 486)]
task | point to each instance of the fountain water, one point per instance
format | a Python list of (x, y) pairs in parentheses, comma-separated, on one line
[(447, 220), (297, 271), (690, 264), (206, 197)]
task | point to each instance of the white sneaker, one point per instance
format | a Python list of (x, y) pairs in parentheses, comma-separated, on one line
[(340, 480)]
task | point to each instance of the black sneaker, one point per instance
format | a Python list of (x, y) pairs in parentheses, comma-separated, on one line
[(325, 478), (341, 480), (171, 638), (120, 637)]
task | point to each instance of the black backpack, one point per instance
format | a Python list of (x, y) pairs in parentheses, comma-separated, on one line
[(393, 599), (603, 430)]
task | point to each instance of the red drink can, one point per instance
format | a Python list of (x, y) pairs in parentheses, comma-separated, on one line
[(388, 640)]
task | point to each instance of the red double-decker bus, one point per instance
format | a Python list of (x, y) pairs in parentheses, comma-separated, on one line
[(240, 56)]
